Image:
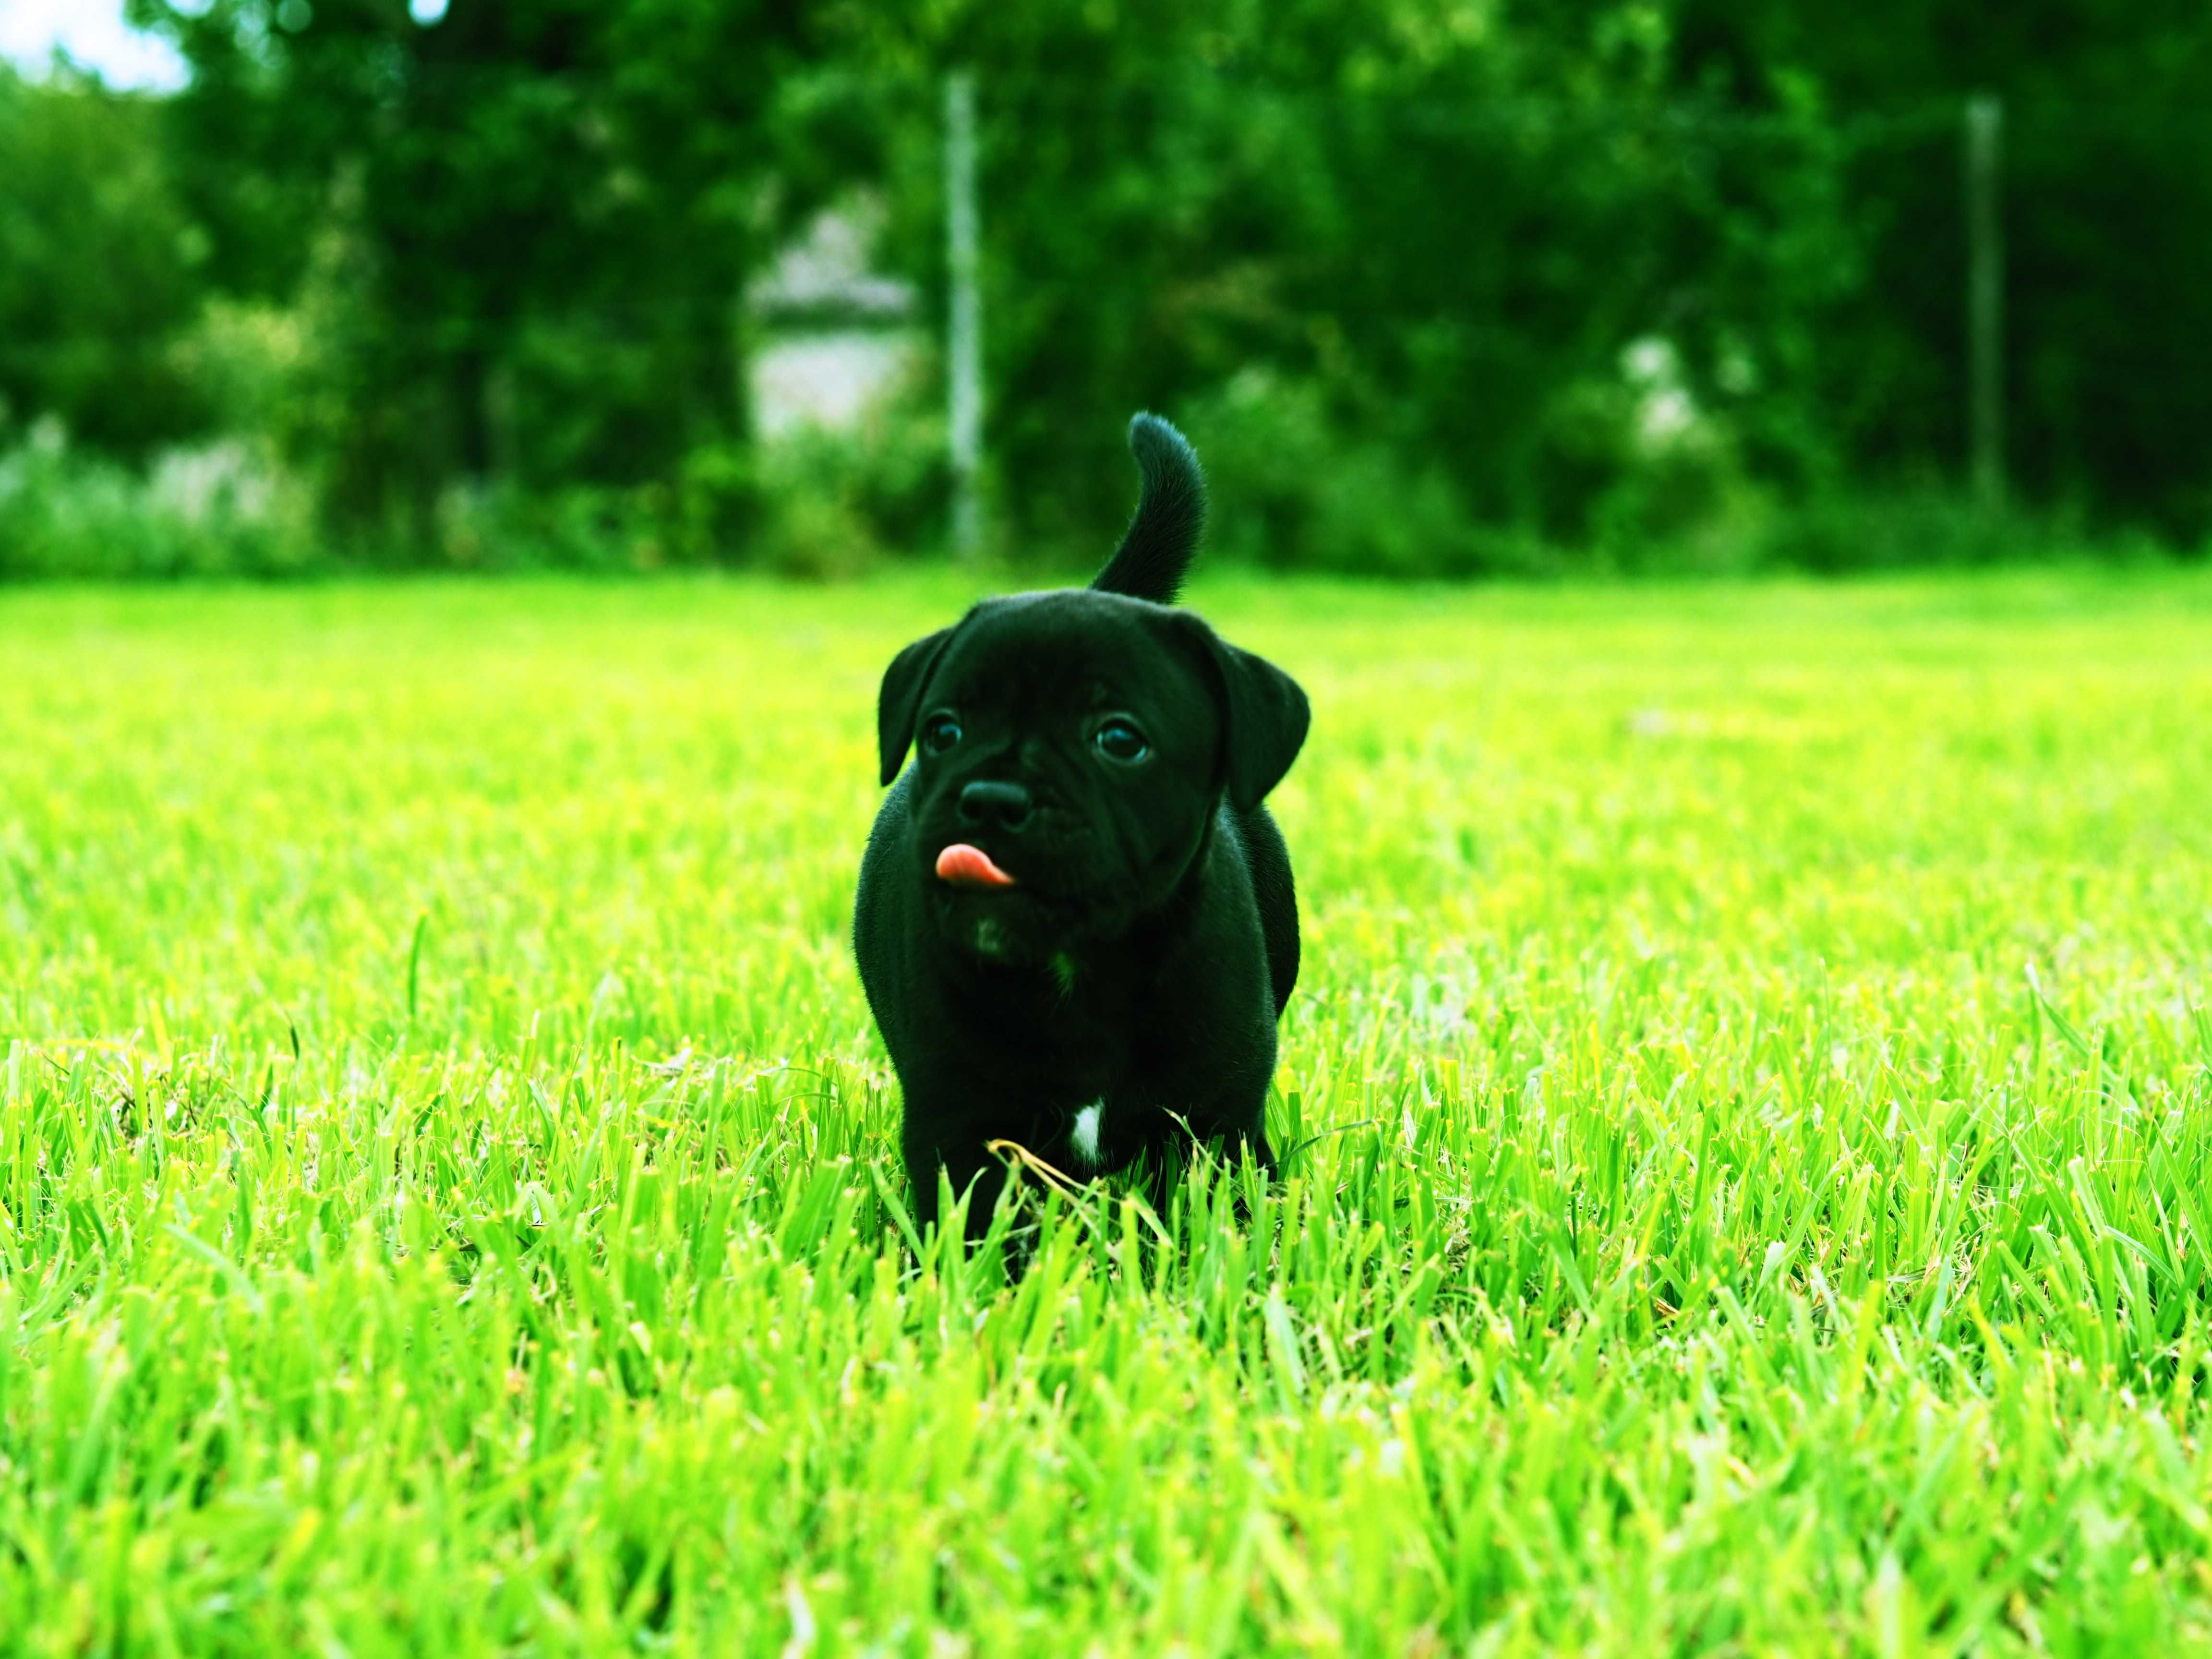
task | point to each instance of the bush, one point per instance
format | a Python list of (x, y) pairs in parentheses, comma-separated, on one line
[(815, 503), (1291, 490), (1632, 478), (1898, 528), (594, 528), (219, 511)]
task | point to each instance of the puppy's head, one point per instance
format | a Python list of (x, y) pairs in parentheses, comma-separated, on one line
[(1081, 742)]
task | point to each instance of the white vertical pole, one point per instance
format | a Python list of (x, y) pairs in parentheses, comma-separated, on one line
[(1985, 298), (964, 334)]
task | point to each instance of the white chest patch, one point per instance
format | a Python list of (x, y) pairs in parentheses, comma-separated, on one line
[(1083, 1138)]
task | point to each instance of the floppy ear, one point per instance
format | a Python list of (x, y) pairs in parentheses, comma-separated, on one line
[(1264, 716), (900, 699)]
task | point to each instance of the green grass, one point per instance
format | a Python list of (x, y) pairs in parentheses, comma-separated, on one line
[(1751, 1082)]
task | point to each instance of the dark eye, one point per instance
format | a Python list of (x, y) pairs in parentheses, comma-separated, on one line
[(939, 732), (1121, 741)]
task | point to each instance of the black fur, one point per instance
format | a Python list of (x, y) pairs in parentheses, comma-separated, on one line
[(1170, 513), (1150, 940)]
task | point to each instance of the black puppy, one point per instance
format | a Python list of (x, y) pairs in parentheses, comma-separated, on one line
[(1076, 924)]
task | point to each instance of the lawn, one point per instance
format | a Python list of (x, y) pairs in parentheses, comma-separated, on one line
[(1752, 1090)]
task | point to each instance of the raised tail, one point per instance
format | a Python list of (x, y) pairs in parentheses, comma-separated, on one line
[(1170, 513)]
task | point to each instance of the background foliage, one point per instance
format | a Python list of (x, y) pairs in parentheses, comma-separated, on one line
[(1439, 286)]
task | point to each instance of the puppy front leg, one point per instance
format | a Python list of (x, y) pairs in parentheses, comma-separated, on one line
[(1240, 1133), (1251, 1141), (966, 1164)]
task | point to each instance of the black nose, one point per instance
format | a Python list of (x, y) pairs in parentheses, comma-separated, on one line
[(1007, 806)]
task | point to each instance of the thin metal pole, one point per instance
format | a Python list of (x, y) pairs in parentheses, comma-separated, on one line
[(964, 333), (1984, 134)]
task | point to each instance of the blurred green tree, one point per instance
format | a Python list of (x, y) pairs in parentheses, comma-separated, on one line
[(1437, 284), (100, 265), (1449, 220), (2107, 187), (522, 229)]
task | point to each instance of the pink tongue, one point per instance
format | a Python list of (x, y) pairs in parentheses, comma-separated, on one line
[(969, 866)]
